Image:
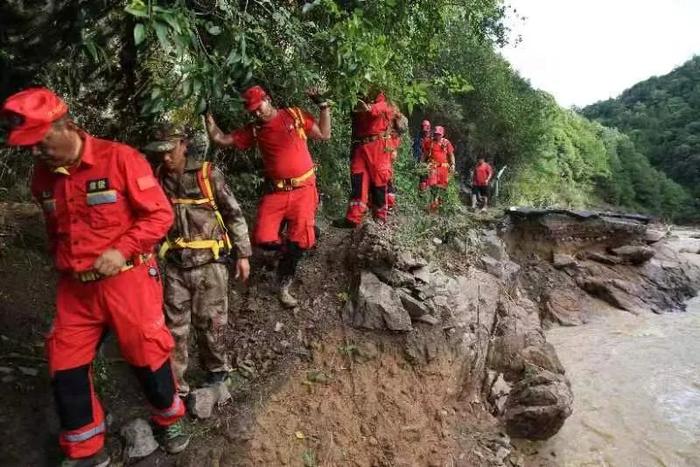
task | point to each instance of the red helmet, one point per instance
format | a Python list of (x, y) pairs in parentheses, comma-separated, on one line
[(439, 131), (34, 110), (253, 97), (425, 125)]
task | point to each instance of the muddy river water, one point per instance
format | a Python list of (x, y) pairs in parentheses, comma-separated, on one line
[(636, 383)]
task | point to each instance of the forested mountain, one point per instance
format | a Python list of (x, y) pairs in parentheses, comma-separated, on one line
[(662, 117), (122, 65)]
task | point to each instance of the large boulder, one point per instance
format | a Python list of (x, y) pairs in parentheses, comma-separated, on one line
[(634, 254), (492, 245), (201, 402), (138, 439), (538, 405), (617, 293), (562, 306), (377, 306)]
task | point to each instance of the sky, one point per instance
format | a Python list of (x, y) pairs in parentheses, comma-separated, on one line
[(583, 51)]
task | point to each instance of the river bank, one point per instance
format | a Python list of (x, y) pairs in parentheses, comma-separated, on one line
[(636, 380)]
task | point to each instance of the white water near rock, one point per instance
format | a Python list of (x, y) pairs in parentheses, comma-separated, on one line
[(636, 384)]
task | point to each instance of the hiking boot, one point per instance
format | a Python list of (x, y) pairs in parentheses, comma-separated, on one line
[(216, 377), (100, 459), (286, 298), (173, 438), (183, 389), (343, 223)]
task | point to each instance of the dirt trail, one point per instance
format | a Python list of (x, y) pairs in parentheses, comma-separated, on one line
[(470, 359)]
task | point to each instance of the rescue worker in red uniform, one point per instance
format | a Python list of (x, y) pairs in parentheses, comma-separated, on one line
[(104, 213), (291, 196), (439, 154), (483, 173), (371, 160)]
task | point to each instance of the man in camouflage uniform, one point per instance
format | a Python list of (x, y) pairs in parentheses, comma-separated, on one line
[(208, 224)]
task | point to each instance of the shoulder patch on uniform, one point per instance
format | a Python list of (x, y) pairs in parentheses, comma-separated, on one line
[(146, 182)]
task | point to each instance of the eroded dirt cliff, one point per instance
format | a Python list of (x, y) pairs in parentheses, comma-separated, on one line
[(431, 356)]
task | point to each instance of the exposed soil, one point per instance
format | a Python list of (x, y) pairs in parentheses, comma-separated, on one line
[(307, 390), (311, 390)]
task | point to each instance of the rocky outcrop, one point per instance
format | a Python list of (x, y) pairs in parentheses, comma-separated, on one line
[(377, 306), (545, 231), (613, 258), (633, 254), (538, 405), (480, 318), (491, 317)]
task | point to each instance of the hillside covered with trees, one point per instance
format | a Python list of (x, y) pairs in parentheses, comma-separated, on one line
[(662, 117), (123, 65)]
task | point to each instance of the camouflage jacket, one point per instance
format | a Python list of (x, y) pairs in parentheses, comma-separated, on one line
[(193, 222)]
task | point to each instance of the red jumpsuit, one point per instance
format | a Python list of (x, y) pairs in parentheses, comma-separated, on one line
[(285, 153), (371, 160), (437, 155), (109, 200)]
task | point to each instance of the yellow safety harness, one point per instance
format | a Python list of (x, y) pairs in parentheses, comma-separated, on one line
[(204, 182), (298, 117)]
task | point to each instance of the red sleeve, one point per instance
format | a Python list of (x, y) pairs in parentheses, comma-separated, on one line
[(309, 121), (151, 208), (380, 107), (243, 138), (490, 170)]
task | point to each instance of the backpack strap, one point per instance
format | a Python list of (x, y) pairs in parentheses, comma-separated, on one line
[(204, 182), (298, 118)]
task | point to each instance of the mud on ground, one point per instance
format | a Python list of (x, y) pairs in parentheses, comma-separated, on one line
[(311, 390), (307, 390)]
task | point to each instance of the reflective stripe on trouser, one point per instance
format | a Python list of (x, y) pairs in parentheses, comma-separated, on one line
[(197, 297), (76, 437), (130, 304), (370, 173), (170, 415)]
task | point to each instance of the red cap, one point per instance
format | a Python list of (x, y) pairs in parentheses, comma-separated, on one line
[(253, 97), (439, 131), (38, 109), (425, 125)]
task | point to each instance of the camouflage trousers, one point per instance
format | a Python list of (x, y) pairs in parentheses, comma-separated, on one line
[(197, 297)]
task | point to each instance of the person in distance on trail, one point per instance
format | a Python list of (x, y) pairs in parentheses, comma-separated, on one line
[(420, 139), (281, 134), (439, 154), (483, 173), (104, 213), (209, 226), (373, 121)]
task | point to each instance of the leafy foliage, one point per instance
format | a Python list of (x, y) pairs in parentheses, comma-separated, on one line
[(123, 64)]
